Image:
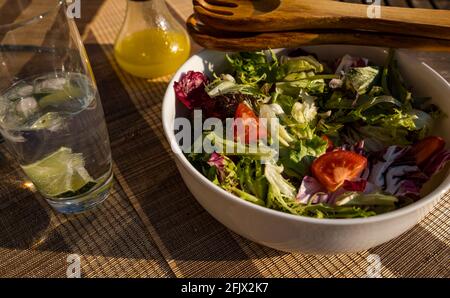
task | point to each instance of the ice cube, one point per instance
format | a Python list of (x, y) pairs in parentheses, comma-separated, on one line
[(47, 85), (9, 116), (25, 90), (27, 106), (19, 91)]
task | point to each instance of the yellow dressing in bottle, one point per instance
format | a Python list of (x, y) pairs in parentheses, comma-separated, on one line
[(152, 52), (151, 42)]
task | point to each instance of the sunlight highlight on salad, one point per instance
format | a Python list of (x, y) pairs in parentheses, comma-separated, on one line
[(353, 140)]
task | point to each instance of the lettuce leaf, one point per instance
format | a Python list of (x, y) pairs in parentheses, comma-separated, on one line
[(229, 176), (225, 170), (253, 67), (222, 87), (278, 183), (251, 177), (292, 88), (372, 109), (304, 112), (271, 112), (361, 199), (284, 101), (339, 101), (361, 79), (393, 82), (300, 64), (298, 158), (222, 145)]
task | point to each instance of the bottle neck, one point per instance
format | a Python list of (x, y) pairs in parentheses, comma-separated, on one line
[(147, 13), (147, 5)]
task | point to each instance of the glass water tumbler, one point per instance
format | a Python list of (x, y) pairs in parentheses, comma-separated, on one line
[(51, 116)]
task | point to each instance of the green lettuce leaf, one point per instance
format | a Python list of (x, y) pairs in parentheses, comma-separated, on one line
[(278, 183), (297, 159), (361, 79), (223, 145), (393, 82), (251, 177), (370, 110), (304, 112), (361, 199), (316, 86), (246, 196), (253, 67), (300, 64), (339, 101), (377, 137), (284, 101), (398, 119), (221, 87)]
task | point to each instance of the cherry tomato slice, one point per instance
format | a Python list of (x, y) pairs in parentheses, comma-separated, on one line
[(426, 148), (330, 145), (250, 125), (333, 168)]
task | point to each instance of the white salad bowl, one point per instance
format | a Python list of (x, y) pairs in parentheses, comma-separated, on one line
[(293, 233)]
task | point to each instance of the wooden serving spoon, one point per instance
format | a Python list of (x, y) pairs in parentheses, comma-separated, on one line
[(286, 15), (232, 41)]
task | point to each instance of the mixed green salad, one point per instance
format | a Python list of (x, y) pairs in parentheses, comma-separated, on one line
[(353, 140)]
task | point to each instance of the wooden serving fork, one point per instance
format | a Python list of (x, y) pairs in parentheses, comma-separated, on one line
[(287, 15), (234, 41)]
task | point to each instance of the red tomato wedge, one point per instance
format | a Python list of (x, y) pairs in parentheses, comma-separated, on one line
[(249, 130), (333, 168), (426, 148), (330, 145)]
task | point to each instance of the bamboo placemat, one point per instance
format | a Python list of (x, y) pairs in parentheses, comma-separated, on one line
[(151, 225)]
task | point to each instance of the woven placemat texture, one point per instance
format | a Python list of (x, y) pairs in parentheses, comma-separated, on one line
[(151, 225)]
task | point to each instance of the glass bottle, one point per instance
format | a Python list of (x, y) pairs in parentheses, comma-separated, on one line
[(151, 42)]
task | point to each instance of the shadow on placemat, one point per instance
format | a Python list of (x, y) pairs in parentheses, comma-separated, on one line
[(27, 222), (23, 218), (417, 253)]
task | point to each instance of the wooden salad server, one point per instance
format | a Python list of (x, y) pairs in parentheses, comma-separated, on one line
[(232, 41), (289, 15)]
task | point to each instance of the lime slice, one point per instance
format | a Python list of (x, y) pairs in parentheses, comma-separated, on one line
[(57, 98), (51, 121), (58, 173)]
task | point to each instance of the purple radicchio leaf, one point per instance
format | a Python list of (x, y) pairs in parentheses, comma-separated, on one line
[(357, 148), (359, 185), (312, 191), (346, 62), (395, 171), (408, 189), (437, 162), (218, 161), (381, 163), (396, 174), (190, 90)]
